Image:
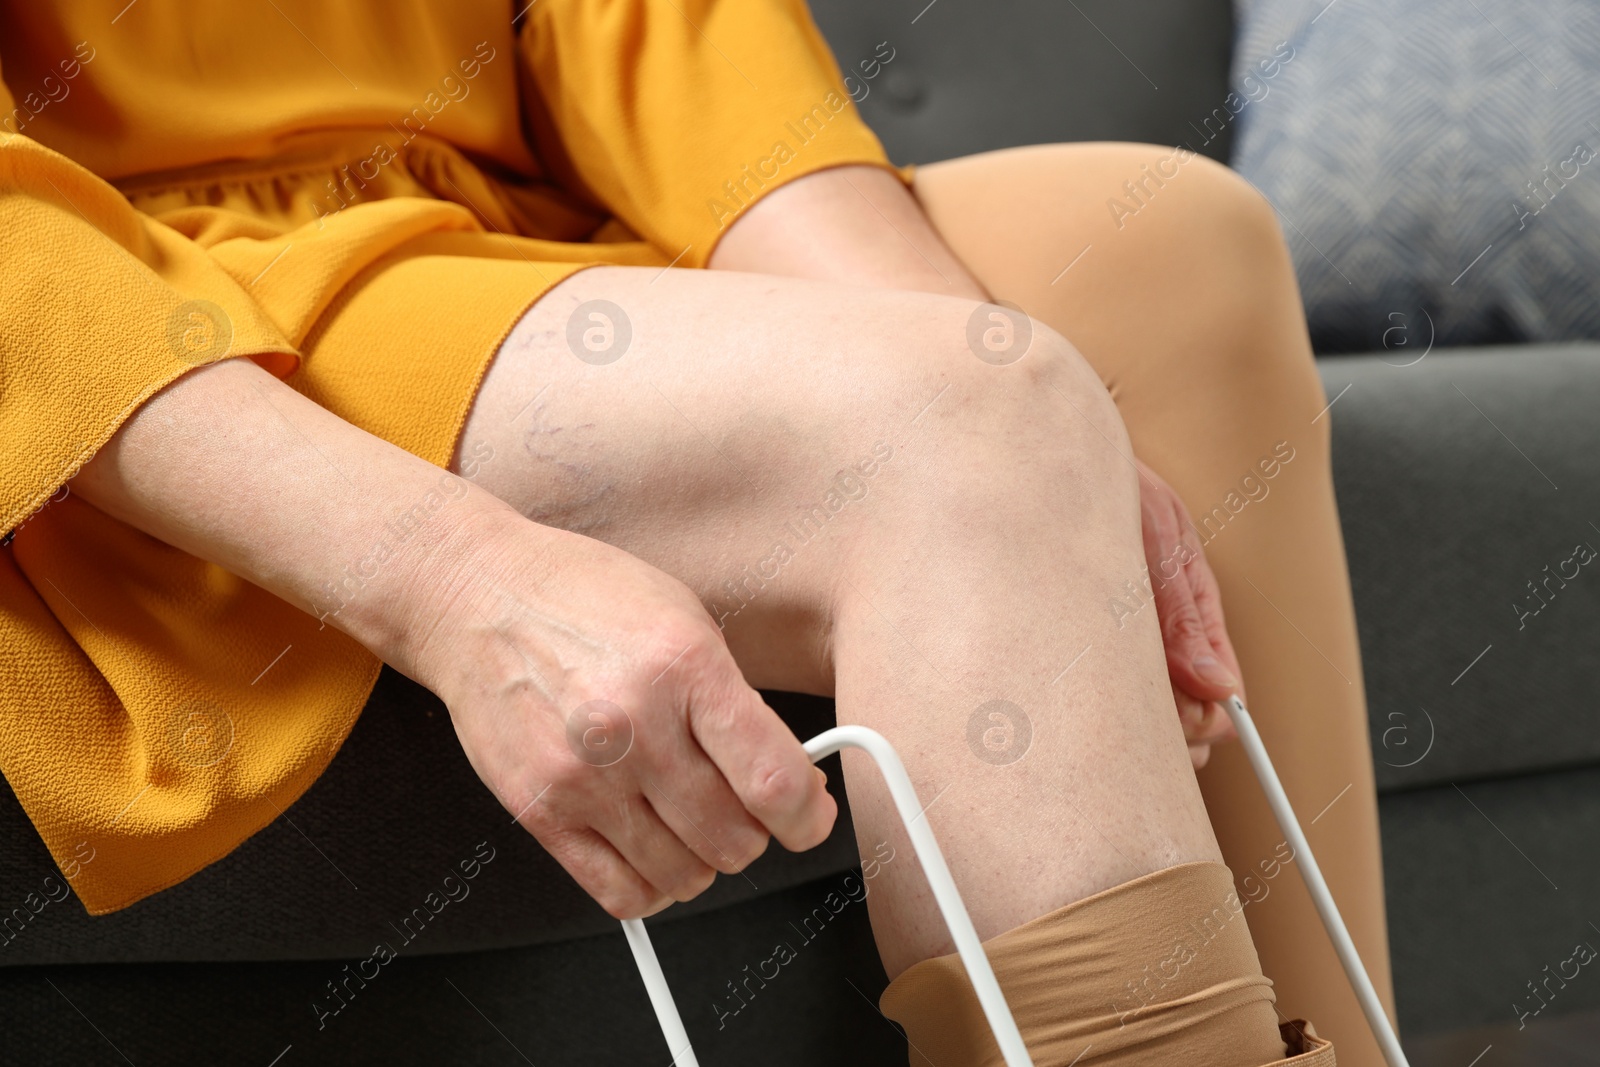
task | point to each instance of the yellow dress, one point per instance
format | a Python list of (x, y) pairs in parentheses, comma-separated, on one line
[(365, 196)]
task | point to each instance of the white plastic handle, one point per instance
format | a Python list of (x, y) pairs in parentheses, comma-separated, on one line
[(1346, 949), (933, 866)]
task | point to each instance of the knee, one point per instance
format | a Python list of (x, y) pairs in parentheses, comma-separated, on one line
[(1191, 202), (1252, 291), (1197, 215), (1211, 248), (1231, 213), (1037, 432)]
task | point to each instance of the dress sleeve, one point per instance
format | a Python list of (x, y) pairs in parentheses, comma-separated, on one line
[(103, 307), (675, 115)]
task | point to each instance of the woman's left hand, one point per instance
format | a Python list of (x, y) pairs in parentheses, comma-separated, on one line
[(1200, 658)]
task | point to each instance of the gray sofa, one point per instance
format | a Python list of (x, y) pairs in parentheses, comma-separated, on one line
[(1460, 478)]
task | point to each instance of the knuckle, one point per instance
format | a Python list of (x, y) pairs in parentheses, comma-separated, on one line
[(1182, 624), (732, 853), (724, 707), (623, 903), (693, 881), (675, 645), (629, 818), (1157, 516), (541, 818), (775, 790), (747, 851), (1168, 579), (568, 775), (626, 895), (568, 846)]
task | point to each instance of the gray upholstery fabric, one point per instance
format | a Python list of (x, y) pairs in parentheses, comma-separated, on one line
[(971, 77), (398, 809), (1431, 154), (1474, 909), (1460, 479)]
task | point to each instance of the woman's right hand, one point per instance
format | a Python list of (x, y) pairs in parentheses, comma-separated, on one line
[(519, 628), (597, 699)]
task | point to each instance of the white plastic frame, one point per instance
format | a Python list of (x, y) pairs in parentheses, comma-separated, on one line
[(960, 924), (1388, 1043), (944, 892)]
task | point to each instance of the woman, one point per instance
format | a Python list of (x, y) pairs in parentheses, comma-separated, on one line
[(826, 463)]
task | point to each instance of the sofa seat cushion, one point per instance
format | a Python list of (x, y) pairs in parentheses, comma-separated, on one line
[(364, 858), (1470, 498)]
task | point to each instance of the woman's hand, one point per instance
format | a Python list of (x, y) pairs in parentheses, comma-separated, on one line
[(597, 699), (521, 629), (1200, 658)]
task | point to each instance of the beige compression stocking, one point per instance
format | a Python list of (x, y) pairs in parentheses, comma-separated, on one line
[(1158, 972)]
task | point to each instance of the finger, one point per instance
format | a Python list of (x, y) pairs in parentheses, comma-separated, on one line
[(601, 871), (763, 763), (1204, 722), (692, 797), (1208, 602), (1171, 550), (702, 810), (1199, 755), (1191, 713), (1191, 659), (1214, 725), (633, 828)]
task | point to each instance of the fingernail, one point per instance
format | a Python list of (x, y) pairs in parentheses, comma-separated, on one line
[(1212, 670), (822, 776)]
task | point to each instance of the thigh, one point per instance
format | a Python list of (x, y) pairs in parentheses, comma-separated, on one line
[(704, 420)]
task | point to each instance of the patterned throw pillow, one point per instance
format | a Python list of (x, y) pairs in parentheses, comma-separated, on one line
[(1435, 165)]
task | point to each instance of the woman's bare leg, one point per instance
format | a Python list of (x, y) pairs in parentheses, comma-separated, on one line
[(1184, 300), (876, 513)]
